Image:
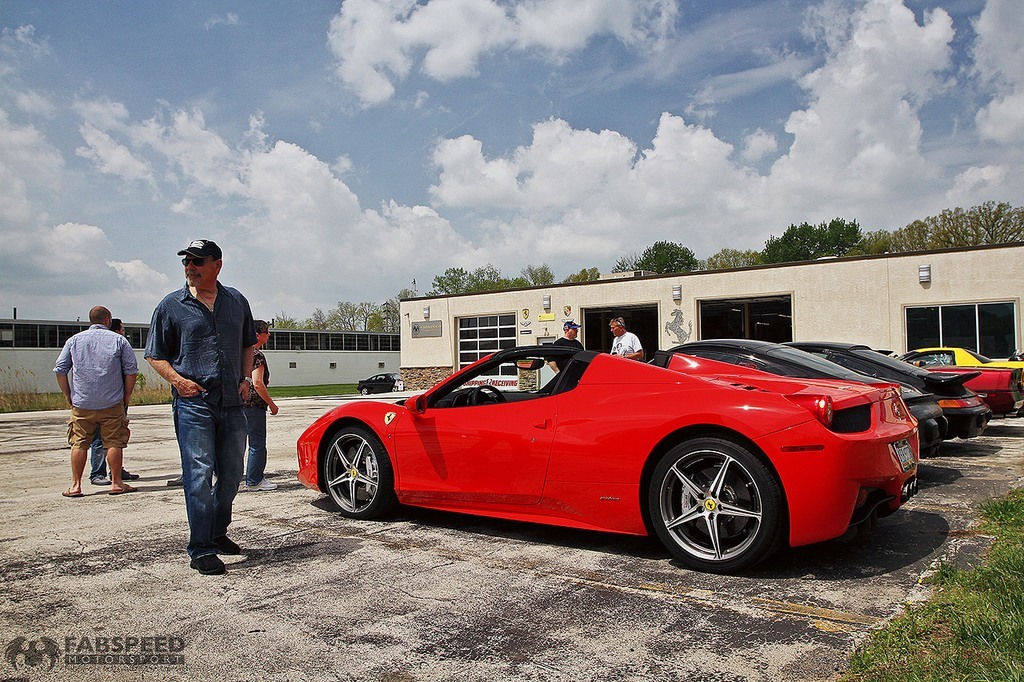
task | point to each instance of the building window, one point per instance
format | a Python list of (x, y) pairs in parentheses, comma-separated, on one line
[(987, 328), (764, 319), (480, 336)]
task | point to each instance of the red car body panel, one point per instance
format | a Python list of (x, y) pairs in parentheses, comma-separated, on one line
[(579, 458), (1002, 388)]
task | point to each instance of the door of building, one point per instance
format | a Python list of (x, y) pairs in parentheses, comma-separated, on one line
[(642, 320)]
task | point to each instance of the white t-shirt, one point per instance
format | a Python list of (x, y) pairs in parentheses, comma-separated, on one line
[(626, 344)]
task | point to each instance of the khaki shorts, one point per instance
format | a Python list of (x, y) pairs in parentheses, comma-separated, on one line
[(111, 422)]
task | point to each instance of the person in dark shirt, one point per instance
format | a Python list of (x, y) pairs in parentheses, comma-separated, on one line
[(571, 330), (201, 341)]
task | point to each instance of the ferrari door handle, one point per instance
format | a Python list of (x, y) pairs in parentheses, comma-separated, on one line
[(543, 426)]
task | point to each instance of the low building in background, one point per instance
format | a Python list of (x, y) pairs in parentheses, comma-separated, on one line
[(299, 357), (967, 297)]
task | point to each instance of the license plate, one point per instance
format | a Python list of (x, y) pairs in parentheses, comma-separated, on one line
[(904, 454)]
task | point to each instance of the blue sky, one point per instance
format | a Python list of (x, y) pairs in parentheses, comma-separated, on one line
[(339, 151)]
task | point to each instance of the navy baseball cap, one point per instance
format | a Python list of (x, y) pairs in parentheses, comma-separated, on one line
[(202, 248), (569, 324)]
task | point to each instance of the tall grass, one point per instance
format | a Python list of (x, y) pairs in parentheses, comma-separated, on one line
[(15, 396), (973, 626), (20, 399)]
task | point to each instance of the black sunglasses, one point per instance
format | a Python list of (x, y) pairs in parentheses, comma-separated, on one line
[(198, 262)]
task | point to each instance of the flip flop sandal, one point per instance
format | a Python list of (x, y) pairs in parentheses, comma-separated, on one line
[(68, 493), (126, 489)]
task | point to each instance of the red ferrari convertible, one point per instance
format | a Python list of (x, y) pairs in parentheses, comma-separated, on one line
[(722, 463)]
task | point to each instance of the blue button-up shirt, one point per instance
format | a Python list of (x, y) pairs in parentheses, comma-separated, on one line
[(97, 360), (203, 346)]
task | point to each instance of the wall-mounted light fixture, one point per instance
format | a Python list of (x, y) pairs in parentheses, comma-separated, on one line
[(426, 312), (547, 303), (677, 292), (924, 274)]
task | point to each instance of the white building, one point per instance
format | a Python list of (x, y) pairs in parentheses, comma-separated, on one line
[(967, 297), (29, 349)]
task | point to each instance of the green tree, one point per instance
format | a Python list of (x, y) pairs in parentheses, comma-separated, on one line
[(661, 257), (875, 243), (584, 275), (390, 309), (987, 223), (998, 223), (368, 317), (284, 321), (914, 237), (486, 278), (667, 257), (838, 237), (317, 320), (344, 317), (627, 263), (732, 258), (451, 281), (538, 275)]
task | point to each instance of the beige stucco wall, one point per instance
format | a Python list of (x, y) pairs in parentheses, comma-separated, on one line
[(853, 299)]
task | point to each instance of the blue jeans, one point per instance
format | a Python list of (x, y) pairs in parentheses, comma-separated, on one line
[(211, 439), (98, 458), (256, 426)]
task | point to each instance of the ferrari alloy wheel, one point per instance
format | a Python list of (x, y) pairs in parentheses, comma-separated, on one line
[(358, 474), (714, 505)]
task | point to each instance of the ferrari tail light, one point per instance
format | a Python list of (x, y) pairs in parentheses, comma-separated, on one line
[(967, 401), (818, 405)]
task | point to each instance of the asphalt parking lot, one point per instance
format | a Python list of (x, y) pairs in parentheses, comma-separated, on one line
[(433, 596)]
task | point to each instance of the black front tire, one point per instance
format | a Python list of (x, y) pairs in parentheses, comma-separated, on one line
[(715, 505), (358, 474)]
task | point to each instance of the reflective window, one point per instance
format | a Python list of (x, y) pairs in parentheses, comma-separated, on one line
[(986, 328)]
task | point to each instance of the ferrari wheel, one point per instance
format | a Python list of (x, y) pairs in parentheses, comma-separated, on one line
[(714, 505), (358, 474)]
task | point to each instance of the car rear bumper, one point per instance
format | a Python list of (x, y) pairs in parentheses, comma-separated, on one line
[(967, 422), (826, 487)]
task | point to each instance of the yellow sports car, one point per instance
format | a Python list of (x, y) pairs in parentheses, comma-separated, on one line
[(948, 355)]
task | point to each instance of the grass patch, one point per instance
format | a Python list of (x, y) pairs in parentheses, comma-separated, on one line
[(311, 391), (18, 400), (972, 628)]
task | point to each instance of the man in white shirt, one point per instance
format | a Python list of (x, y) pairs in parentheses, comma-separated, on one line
[(625, 343)]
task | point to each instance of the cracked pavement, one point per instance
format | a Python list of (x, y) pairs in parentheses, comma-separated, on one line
[(427, 595)]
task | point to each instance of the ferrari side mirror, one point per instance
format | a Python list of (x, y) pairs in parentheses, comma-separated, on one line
[(418, 403)]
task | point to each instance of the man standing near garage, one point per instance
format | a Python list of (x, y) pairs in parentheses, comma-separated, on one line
[(201, 340), (626, 344), (571, 331)]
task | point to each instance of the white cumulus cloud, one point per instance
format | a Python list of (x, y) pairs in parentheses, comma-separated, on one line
[(377, 42)]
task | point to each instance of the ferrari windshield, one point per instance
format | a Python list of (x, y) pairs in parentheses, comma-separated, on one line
[(522, 372)]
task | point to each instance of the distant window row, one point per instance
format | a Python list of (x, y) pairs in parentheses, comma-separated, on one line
[(44, 335), (290, 339)]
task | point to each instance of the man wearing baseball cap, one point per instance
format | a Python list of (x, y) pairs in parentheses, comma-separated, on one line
[(201, 341), (571, 330)]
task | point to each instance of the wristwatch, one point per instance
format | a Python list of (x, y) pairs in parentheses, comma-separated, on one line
[(247, 380)]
